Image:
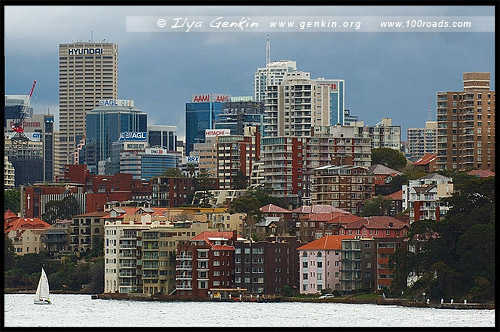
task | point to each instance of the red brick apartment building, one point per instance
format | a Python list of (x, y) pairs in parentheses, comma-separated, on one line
[(205, 263)]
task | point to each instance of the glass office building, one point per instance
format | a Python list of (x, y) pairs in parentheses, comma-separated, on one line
[(200, 116), (104, 125)]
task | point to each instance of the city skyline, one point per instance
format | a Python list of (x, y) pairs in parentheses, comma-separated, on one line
[(386, 74)]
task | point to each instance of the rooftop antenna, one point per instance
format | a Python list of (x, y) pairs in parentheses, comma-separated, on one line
[(429, 111), (91, 36)]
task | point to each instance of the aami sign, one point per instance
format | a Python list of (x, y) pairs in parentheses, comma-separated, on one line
[(210, 98)]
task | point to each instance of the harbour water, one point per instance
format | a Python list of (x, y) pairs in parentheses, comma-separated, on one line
[(82, 311)]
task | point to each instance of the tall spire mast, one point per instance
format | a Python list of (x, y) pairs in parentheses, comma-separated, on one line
[(268, 59), (429, 111)]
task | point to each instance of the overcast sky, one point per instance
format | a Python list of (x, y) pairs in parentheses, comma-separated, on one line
[(387, 74)]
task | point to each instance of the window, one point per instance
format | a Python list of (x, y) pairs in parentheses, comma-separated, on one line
[(304, 265), (216, 263), (304, 276), (320, 264)]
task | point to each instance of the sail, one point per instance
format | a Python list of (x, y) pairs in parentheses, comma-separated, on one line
[(42, 291)]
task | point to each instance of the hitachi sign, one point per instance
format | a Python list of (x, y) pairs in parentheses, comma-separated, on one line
[(210, 98), (81, 51)]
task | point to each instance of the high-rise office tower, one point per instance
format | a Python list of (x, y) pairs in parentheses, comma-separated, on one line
[(466, 125), (88, 72), (337, 99), (274, 74)]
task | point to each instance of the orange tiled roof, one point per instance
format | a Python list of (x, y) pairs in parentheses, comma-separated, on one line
[(9, 215), (271, 208), (92, 214), (398, 195), (377, 222), (426, 159), (327, 242), (26, 223), (345, 219), (482, 173), (318, 208)]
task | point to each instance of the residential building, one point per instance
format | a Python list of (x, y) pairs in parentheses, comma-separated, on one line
[(257, 174), (344, 186), (172, 191), (265, 267), (272, 74), (349, 119), (88, 72), (8, 174), (481, 173), (205, 264), (466, 125), (237, 153), (383, 134), (25, 234), (284, 218), (314, 226), (105, 125), (283, 160), (383, 176), (320, 264), (376, 227), (201, 114), (423, 197), (296, 105), (207, 155), (222, 197), (337, 100), (422, 141), (159, 254), (226, 222), (86, 231), (427, 164), (56, 239)]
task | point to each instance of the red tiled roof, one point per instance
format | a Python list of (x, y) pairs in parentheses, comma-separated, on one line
[(426, 159), (91, 214), (345, 219), (376, 222), (223, 247), (322, 216), (9, 214), (318, 208), (271, 208), (398, 195), (482, 173), (26, 223), (329, 242)]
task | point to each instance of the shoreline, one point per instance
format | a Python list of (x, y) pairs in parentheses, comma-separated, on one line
[(173, 298)]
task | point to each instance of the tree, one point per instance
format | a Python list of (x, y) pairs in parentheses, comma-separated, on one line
[(389, 157), (191, 169), (63, 209), (250, 206), (240, 181), (12, 200), (455, 257), (174, 173), (377, 206), (8, 253), (203, 185)]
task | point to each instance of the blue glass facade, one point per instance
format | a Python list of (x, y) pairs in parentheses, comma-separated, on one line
[(200, 116), (153, 165), (337, 105), (104, 125)]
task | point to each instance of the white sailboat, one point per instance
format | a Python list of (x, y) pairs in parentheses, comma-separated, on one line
[(42, 292)]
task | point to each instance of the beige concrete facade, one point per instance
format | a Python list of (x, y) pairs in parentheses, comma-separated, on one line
[(88, 72)]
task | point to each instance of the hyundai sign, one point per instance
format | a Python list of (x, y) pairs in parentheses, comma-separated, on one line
[(133, 136)]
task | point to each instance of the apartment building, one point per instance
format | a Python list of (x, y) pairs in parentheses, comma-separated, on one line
[(466, 125), (423, 197), (320, 264), (237, 153), (382, 135), (421, 141), (86, 231), (25, 234), (343, 186), (205, 264), (272, 74), (8, 174), (172, 191), (264, 267)]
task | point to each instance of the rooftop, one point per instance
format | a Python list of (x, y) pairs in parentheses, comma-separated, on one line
[(327, 242)]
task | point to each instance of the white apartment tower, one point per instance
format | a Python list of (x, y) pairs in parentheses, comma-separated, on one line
[(422, 140), (88, 72), (296, 105), (277, 72)]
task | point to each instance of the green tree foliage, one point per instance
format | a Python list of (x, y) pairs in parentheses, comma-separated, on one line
[(263, 193), (455, 257), (240, 181), (377, 206), (191, 169), (8, 253), (203, 185), (389, 157), (12, 200), (174, 173), (63, 209), (250, 206)]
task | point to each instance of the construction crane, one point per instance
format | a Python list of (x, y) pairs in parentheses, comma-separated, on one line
[(19, 139)]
